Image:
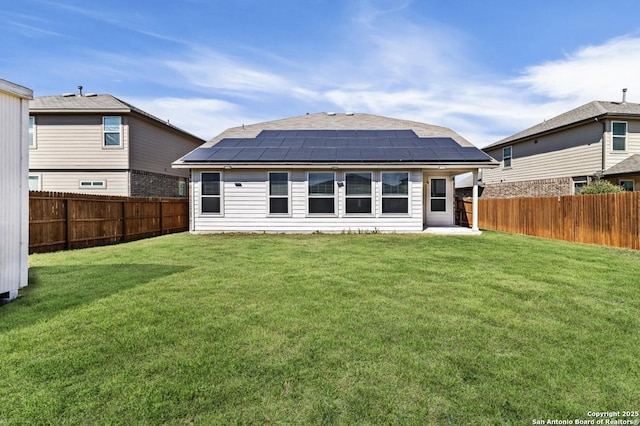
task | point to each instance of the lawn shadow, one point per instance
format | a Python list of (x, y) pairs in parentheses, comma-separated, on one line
[(54, 289)]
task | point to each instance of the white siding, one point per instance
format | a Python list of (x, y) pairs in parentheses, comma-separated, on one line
[(574, 152), (14, 190), (154, 148), (75, 142), (245, 206), (117, 183)]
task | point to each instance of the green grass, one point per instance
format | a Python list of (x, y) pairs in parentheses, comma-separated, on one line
[(323, 329)]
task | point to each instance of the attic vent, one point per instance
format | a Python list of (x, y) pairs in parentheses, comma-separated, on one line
[(68, 95), (331, 114), (349, 113), (90, 95)]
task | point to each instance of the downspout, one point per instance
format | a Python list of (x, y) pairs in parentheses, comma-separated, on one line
[(604, 146)]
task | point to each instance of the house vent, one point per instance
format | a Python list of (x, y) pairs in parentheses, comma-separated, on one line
[(88, 95), (624, 96), (68, 95), (349, 113), (331, 114)]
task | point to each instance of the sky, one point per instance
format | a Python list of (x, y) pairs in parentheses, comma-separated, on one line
[(486, 69)]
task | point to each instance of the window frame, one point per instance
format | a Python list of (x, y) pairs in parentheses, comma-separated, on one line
[(633, 184), (33, 142), (579, 182), (39, 177), (624, 137), (437, 198), (370, 196), (271, 196), (509, 157), (219, 195), (106, 132), (406, 196), (316, 196)]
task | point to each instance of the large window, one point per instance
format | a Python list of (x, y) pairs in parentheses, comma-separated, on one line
[(32, 132), (278, 193), (619, 131), (358, 192), (507, 154), (321, 193), (438, 193), (111, 131), (628, 185), (395, 192), (210, 190)]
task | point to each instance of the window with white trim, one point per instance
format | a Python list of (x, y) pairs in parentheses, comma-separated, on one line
[(111, 131), (619, 134), (578, 183), (93, 184), (278, 193), (34, 182), (32, 132), (322, 199), (628, 185), (395, 192), (211, 199), (358, 192), (507, 155), (438, 192)]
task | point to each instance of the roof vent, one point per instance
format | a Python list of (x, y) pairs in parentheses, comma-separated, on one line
[(90, 95), (68, 95), (624, 96), (349, 113), (331, 114)]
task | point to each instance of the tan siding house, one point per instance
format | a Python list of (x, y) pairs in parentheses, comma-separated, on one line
[(329, 173), (14, 188), (99, 144), (597, 140)]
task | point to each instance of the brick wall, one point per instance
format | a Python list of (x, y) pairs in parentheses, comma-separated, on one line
[(147, 184), (529, 188)]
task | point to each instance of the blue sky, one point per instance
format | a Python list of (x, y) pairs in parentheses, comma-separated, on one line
[(487, 69)]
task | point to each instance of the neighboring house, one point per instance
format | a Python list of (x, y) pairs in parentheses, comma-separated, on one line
[(558, 156), (328, 172), (14, 188), (99, 144)]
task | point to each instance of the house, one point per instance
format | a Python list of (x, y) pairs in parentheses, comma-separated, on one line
[(99, 144), (556, 157), (14, 188), (328, 172)]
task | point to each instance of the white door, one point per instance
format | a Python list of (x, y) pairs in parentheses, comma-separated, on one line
[(438, 196)]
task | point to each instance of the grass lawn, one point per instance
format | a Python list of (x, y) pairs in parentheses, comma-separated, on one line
[(323, 329)]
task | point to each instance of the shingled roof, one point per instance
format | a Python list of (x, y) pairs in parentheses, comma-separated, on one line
[(590, 111), (92, 103), (628, 166)]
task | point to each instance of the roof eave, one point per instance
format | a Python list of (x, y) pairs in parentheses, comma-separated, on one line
[(340, 165)]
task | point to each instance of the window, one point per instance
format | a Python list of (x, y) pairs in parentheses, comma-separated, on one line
[(358, 192), (182, 188), (321, 192), (34, 183), (395, 192), (438, 195), (579, 182), (278, 193), (211, 199), (619, 131), (92, 184), (32, 132), (628, 185), (111, 131), (506, 156)]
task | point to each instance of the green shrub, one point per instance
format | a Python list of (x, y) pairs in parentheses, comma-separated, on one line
[(600, 187)]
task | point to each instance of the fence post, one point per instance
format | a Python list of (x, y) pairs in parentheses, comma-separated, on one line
[(161, 221), (124, 220), (67, 223)]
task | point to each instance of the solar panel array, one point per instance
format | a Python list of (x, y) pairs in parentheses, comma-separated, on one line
[(336, 146)]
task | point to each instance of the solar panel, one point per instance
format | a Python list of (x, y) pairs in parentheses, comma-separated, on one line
[(199, 154), (225, 154), (324, 154), (274, 154), (249, 154), (348, 154), (298, 154)]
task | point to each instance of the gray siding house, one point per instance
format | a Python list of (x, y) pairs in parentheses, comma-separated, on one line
[(328, 172), (14, 188), (596, 140), (99, 144)]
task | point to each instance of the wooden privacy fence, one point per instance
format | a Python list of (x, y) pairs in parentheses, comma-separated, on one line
[(60, 221), (604, 219)]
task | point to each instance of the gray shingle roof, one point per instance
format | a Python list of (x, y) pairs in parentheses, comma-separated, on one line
[(582, 113), (630, 165), (93, 104), (338, 138)]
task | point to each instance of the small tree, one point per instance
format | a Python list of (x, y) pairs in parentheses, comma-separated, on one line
[(599, 186)]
